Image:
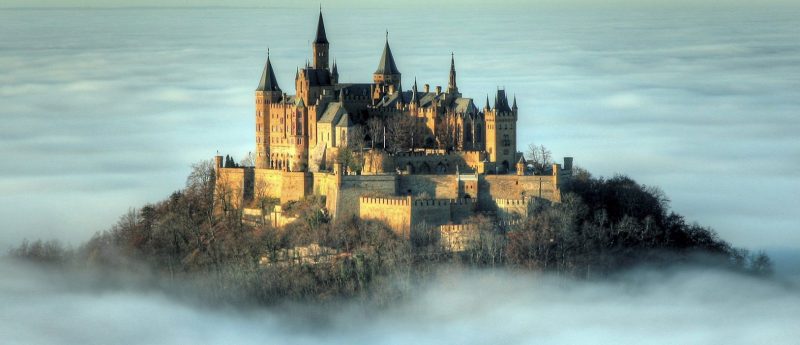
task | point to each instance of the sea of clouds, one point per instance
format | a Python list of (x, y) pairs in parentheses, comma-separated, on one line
[(680, 306), (105, 109)]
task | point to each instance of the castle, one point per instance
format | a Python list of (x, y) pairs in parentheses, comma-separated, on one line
[(377, 151)]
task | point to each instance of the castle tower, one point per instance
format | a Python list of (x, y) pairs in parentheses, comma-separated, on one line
[(267, 93), (387, 76), (320, 45), (501, 132)]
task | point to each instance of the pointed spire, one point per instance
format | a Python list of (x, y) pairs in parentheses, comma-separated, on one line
[(321, 37), (334, 70), (387, 65), (451, 86), (414, 99), (514, 107), (268, 81), (487, 102)]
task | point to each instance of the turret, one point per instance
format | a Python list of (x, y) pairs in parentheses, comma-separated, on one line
[(387, 73), (334, 74), (320, 45), (521, 165)]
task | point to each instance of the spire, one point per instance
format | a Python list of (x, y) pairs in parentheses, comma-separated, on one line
[(268, 81), (451, 86), (387, 65), (321, 37), (487, 103), (514, 107), (334, 71), (414, 99)]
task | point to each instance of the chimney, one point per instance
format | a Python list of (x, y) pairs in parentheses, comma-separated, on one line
[(427, 88), (438, 90)]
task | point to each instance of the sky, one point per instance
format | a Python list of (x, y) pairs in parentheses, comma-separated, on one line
[(106, 109)]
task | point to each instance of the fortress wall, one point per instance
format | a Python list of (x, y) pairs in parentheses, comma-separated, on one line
[(295, 185), (461, 209), (431, 163), (513, 186), (512, 208), (322, 182), (346, 203), (395, 212), (268, 183), (430, 212), (435, 186), (230, 187)]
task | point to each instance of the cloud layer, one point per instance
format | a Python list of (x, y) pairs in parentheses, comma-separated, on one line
[(688, 306), (106, 109)]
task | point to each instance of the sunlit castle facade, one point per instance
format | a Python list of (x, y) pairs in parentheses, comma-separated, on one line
[(305, 131), (409, 158)]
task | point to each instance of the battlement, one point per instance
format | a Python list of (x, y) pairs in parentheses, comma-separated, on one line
[(443, 202), (512, 202), (364, 200)]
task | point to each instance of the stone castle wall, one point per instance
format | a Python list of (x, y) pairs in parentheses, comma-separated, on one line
[(395, 212), (430, 186)]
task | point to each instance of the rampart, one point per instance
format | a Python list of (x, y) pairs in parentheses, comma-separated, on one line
[(395, 212)]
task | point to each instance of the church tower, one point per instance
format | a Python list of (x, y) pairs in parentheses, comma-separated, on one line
[(320, 46), (267, 93)]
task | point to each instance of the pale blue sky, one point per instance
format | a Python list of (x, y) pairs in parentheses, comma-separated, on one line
[(422, 4)]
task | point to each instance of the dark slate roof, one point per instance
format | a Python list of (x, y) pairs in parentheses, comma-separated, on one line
[(387, 65), (318, 76), (392, 99), (501, 102), (345, 121), (332, 113), (321, 37), (464, 105), (268, 81), (363, 89)]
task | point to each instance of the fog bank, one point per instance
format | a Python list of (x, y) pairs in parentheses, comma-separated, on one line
[(690, 306)]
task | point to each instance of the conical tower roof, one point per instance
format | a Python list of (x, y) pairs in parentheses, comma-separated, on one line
[(387, 65), (321, 37), (268, 81)]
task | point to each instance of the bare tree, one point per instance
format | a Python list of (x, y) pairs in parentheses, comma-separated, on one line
[(375, 131), (540, 157)]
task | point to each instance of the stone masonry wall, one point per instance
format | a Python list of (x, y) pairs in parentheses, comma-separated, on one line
[(434, 186), (395, 212)]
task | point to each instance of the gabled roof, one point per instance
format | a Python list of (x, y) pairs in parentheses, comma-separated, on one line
[(464, 105), (387, 65), (268, 82), (345, 121), (332, 113), (321, 37)]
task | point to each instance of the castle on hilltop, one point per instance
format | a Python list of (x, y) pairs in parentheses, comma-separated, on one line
[(377, 151)]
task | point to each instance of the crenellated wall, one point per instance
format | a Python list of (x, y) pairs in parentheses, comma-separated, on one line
[(395, 212)]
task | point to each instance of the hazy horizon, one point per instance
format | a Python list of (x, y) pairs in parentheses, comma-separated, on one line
[(107, 109)]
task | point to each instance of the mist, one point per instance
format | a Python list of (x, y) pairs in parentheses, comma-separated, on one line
[(670, 306)]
